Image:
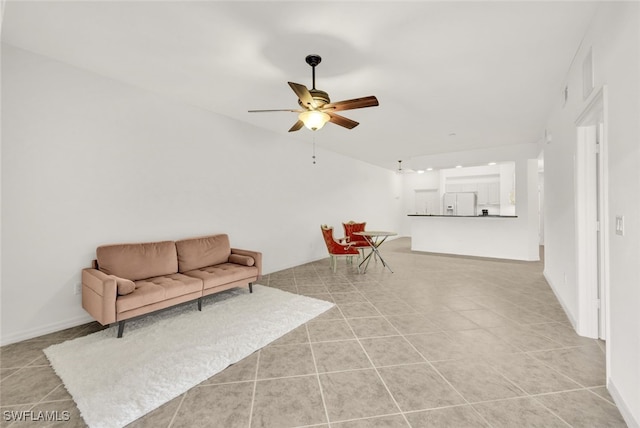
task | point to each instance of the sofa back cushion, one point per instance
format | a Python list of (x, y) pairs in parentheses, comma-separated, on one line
[(138, 261), (196, 253)]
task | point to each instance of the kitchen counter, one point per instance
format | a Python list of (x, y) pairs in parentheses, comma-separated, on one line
[(463, 216), (495, 236)]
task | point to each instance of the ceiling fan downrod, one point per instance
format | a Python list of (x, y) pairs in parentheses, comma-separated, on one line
[(313, 60)]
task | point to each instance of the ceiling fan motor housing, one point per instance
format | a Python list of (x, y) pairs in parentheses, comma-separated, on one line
[(320, 97)]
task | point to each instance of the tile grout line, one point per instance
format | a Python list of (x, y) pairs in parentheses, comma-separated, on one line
[(342, 421), (550, 367), (424, 357), (550, 411), (26, 366), (315, 365), (32, 405), (554, 369), (255, 387), (590, 389), (527, 395), (447, 381), (175, 414), (377, 372), (384, 316), (43, 399)]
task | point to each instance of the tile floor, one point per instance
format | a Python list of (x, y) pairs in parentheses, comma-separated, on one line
[(444, 341)]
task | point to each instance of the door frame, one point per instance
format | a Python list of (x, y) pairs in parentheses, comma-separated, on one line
[(592, 261)]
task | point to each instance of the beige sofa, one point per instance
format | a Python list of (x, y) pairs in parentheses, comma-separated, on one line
[(129, 280)]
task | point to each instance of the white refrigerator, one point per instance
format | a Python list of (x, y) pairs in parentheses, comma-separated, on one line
[(460, 203)]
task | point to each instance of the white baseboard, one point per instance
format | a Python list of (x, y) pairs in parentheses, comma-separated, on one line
[(569, 315), (45, 329), (622, 406)]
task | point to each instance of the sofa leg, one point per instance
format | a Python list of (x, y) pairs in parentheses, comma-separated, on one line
[(200, 304), (251, 287), (120, 328)]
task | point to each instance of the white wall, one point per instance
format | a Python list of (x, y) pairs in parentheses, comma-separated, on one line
[(614, 37), (88, 161), (541, 207), (411, 182)]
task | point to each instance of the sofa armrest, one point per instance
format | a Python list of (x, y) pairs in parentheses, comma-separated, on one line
[(257, 256), (99, 292)]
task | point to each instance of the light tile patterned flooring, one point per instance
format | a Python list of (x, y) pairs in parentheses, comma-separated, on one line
[(444, 341)]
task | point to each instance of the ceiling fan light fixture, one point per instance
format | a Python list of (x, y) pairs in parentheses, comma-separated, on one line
[(314, 119)]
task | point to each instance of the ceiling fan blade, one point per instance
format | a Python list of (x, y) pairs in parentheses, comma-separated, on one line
[(342, 121), (303, 94), (370, 101), (265, 111), (296, 126)]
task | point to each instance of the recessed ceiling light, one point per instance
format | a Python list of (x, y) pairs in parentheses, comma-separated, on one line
[(491, 163), (458, 166), (420, 171), (429, 169)]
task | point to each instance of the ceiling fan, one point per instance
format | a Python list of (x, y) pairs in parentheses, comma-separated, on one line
[(317, 108)]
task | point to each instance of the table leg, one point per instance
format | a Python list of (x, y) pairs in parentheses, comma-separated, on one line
[(365, 261), (374, 250)]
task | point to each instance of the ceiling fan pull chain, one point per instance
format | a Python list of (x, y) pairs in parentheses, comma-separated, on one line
[(314, 149)]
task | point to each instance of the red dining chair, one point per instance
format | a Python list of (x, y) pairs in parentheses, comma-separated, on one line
[(358, 241), (335, 248)]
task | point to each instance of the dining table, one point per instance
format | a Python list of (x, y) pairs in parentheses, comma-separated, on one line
[(374, 238)]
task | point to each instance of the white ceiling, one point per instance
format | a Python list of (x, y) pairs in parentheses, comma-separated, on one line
[(487, 71)]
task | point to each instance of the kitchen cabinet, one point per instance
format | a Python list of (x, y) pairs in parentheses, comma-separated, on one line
[(493, 194), (483, 193), (488, 193)]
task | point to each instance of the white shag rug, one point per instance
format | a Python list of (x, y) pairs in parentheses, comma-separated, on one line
[(116, 381)]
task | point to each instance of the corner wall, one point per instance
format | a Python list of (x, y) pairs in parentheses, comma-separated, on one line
[(89, 161), (614, 37)]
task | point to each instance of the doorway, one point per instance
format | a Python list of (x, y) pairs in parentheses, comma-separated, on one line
[(592, 219)]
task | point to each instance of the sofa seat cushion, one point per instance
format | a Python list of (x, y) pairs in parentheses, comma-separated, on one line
[(225, 273), (157, 289)]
